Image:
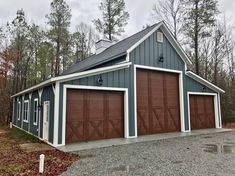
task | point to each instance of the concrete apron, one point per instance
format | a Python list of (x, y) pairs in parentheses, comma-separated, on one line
[(122, 141)]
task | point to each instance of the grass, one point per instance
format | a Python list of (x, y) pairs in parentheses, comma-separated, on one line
[(17, 134)]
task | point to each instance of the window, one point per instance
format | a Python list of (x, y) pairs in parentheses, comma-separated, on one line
[(35, 112), (26, 111), (19, 110)]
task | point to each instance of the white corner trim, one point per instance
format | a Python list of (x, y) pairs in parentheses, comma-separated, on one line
[(203, 81), (37, 115), (219, 108), (126, 110), (56, 113), (77, 75), (181, 94), (216, 107)]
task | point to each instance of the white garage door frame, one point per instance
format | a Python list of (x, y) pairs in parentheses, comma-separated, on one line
[(181, 94), (126, 108), (216, 107)]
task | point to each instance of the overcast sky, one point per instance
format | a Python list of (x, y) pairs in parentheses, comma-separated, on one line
[(87, 10)]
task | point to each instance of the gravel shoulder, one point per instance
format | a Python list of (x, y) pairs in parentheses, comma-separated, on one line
[(212, 154)]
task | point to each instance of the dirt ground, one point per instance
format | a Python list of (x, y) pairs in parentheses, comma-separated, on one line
[(19, 155)]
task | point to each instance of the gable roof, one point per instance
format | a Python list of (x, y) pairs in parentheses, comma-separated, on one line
[(114, 51), (203, 81)]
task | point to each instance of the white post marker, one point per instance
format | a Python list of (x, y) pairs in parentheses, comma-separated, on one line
[(10, 125), (41, 163)]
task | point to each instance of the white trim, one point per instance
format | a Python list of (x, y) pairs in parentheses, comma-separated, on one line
[(40, 91), (77, 75), (34, 136), (18, 109), (22, 112), (43, 118), (181, 94), (166, 31), (29, 116), (219, 108), (13, 112), (204, 82), (216, 107), (126, 110), (56, 113), (142, 40), (26, 120), (37, 111)]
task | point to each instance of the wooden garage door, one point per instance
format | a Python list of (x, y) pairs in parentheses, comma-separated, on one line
[(158, 109), (202, 114), (94, 115)]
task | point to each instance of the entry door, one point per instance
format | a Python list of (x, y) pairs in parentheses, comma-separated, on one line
[(46, 117)]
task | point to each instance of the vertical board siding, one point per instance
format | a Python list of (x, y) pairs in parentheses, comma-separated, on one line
[(25, 124), (34, 128), (48, 95), (120, 79), (147, 53)]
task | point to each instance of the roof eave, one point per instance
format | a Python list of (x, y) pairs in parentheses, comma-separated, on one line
[(205, 82)]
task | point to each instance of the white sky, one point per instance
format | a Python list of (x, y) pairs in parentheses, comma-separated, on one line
[(87, 10)]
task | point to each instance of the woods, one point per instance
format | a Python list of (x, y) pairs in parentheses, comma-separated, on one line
[(30, 54)]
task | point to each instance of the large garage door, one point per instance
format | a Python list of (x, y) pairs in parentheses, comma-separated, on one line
[(202, 114), (94, 115), (158, 109)]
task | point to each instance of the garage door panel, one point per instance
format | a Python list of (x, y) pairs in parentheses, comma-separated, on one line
[(160, 93), (202, 112), (94, 115)]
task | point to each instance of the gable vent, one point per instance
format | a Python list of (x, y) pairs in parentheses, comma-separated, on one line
[(160, 37)]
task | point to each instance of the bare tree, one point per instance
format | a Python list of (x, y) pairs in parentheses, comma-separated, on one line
[(171, 12)]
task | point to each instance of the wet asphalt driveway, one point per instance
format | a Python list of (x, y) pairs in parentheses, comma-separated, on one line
[(212, 154)]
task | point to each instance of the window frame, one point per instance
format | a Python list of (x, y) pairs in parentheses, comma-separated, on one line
[(26, 112), (18, 110), (35, 111)]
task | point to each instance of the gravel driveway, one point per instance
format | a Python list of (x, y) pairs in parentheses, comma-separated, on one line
[(212, 154)]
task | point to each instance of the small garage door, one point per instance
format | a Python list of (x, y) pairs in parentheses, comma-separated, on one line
[(202, 113), (158, 109), (94, 115)]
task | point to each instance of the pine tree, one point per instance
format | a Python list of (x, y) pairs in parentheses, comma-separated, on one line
[(59, 21), (114, 18), (200, 15)]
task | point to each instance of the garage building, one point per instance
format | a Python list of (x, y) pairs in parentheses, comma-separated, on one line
[(138, 86)]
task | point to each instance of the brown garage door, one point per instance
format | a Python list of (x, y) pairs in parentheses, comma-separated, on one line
[(94, 115), (158, 109), (202, 113)]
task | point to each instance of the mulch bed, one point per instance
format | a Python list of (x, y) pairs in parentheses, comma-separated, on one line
[(15, 161)]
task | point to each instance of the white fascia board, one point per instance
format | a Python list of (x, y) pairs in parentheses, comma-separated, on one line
[(92, 72), (76, 75), (142, 40), (175, 43), (203, 81), (169, 36)]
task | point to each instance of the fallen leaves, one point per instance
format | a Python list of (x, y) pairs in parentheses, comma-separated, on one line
[(16, 161)]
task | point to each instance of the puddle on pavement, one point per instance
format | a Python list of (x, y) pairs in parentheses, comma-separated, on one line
[(219, 148), (177, 162), (125, 168), (86, 156), (207, 137)]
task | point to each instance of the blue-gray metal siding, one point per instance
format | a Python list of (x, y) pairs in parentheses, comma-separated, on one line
[(146, 54), (34, 128), (48, 95)]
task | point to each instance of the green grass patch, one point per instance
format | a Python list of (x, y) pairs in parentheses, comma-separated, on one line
[(17, 134)]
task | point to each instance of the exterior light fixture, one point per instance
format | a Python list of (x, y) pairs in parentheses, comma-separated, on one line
[(100, 81), (203, 88), (161, 58)]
